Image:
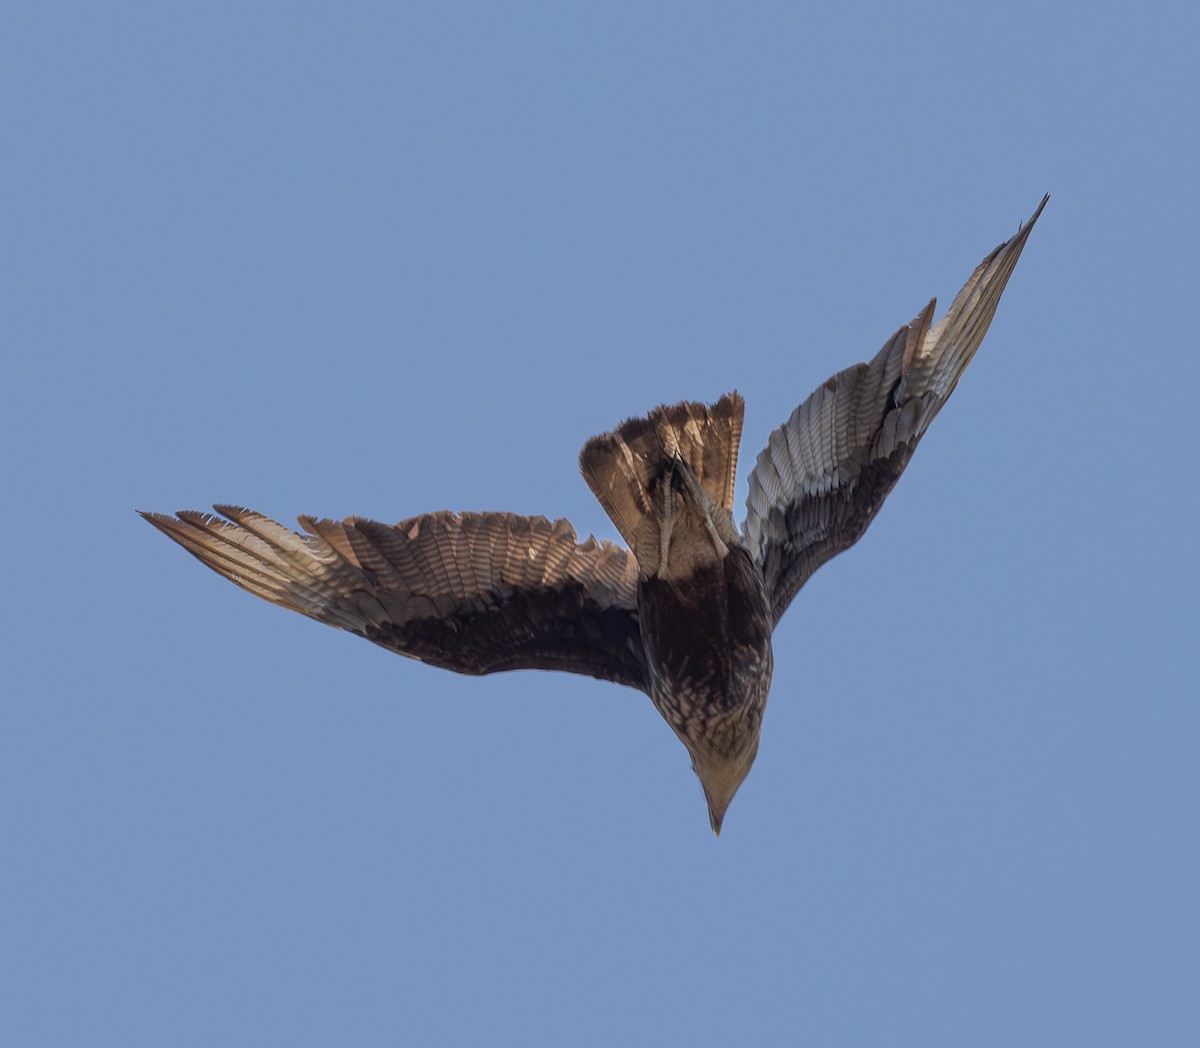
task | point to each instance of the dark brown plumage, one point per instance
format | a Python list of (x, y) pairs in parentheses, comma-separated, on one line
[(684, 614)]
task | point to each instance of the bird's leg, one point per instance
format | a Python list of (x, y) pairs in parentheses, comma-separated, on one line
[(666, 517)]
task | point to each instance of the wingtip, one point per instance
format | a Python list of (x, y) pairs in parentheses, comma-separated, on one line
[(157, 520), (1034, 217)]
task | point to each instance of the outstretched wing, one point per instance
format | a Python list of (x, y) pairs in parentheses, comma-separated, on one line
[(826, 471), (475, 593)]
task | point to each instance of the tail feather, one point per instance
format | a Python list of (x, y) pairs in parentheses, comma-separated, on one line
[(623, 467)]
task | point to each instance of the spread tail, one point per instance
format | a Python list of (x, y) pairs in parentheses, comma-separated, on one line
[(694, 447)]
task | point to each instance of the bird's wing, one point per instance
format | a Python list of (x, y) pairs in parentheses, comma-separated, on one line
[(826, 471), (475, 593)]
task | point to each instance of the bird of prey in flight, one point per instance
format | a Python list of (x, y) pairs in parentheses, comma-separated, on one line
[(684, 611)]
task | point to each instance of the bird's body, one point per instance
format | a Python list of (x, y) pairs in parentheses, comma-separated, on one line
[(686, 613), (708, 643), (667, 481)]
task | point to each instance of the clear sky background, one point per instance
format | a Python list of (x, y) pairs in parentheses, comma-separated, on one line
[(384, 259)]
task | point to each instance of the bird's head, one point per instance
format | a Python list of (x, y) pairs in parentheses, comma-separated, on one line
[(721, 775)]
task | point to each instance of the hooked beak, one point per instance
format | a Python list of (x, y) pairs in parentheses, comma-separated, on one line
[(716, 812)]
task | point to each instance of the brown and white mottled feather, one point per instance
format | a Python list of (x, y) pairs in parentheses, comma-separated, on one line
[(623, 468), (825, 473), (472, 592)]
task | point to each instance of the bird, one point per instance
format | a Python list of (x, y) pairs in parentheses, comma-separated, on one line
[(685, 610)]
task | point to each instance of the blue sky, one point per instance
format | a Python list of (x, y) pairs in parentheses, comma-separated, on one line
[(388, 259)]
